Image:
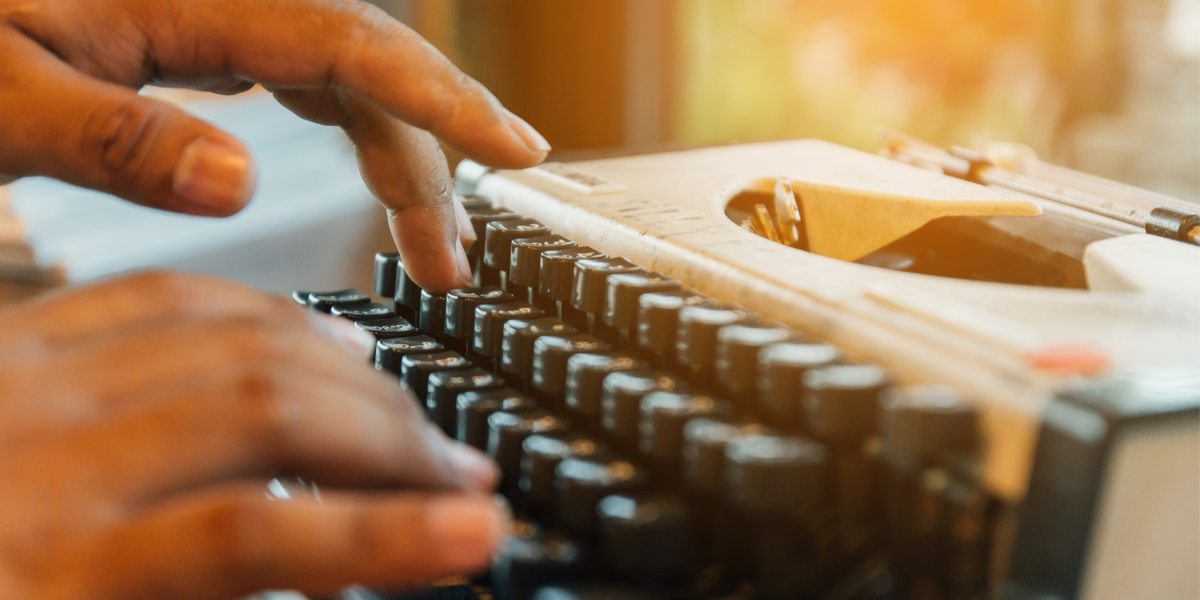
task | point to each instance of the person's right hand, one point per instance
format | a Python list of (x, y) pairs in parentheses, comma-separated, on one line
[(70, 69), (141, 419)]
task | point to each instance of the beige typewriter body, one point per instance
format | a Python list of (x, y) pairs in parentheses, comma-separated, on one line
[(666, 212)]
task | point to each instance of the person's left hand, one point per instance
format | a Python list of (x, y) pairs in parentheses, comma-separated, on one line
[(70, 69)]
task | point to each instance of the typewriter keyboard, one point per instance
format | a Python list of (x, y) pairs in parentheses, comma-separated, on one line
[(658, 443)]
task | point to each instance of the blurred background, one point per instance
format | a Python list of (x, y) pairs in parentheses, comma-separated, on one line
[(1110, 87)]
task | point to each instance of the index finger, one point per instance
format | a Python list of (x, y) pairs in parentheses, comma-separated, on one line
[(342, 43)]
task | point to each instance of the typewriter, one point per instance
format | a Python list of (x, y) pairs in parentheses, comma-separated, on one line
[(795, 370)]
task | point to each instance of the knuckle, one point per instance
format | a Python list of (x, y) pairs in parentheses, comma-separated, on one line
[(121, 135)]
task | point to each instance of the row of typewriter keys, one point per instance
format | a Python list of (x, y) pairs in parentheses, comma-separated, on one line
[(657, 437)]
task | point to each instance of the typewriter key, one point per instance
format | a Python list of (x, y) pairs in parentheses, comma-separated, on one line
[(620, 404), (441, 400), (590, 292), (774, 475), (385, 274), (704, 441), (473, 203), (415, 369), (325, 301), (582, 483), (663, 417), (541, 455), (516, 355), (696, 339), (525, 563), (658, 323), (781, 369), (526, 266), (738, 347), (479, 221), (647, 538), (474, 408), (301, 298), (557, 280), (408, 295), (549, 371), (389, 352), (460, 312), (489, 325), (362, 312), (432, 319), (621, 304), (497, 251), (384, 329), (930, 423), (585, 384), (842, 401), (507, 432)]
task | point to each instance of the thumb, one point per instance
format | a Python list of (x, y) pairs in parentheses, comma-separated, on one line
[(107, 137)]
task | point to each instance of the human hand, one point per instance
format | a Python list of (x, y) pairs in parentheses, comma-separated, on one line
[(69, 71), (141, 419)]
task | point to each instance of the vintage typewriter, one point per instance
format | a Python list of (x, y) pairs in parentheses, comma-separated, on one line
[(795, 370)]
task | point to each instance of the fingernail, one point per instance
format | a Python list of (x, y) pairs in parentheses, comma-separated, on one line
[(353, 339), (214, 176), (464, 530), (527, 133), (477, 469), (464, 266)]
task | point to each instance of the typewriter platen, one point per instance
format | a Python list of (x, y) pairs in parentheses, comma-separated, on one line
[(794, 370)]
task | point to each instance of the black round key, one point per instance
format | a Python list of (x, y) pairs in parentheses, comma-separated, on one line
[(541, 455), (408, 295), (590, 290), (384, 329), (390, 352), (474, 203), (362, 312), (929, 421), (461, 305), (479, 222), (647, 536), (516, 354), (557, 279), (582, 483), (664, 415), (620, 405), (704, 442), (474, 408), (415, 369), (841, 402), (432, 321), (591, 592), (301, 298), (585, 382), (738, 347), (658, 319), (385, 273), (526, 265), (550, 355), (490, 320), (525, 563), (325, 301), (696, 339), (497, 250), (441, 400), (624, 291), (781, 369), (768, 474), (508, 430)]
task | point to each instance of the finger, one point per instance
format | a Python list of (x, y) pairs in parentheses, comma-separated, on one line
[(405, 168), (229, 543), (466, 233), (263, 423), (73, 315), (344, 44), (102, 375), (107, 137)]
